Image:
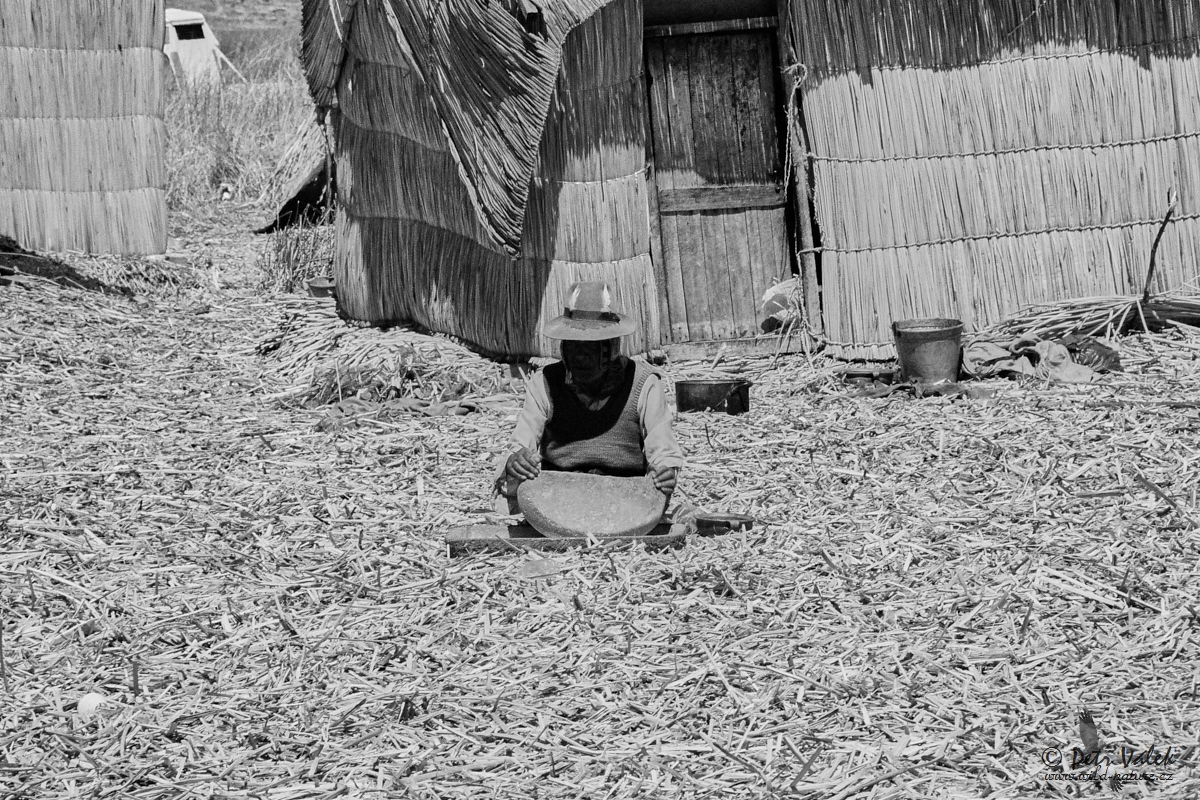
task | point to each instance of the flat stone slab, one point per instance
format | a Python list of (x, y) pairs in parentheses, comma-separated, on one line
[(500, 538), (564, 504)]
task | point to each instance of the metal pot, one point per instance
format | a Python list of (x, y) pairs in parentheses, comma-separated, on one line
[(321, 287)]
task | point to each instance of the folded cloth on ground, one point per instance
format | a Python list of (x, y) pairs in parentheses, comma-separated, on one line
[(1045, 359), (1091, 352)]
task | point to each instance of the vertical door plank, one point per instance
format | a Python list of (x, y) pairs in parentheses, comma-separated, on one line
[(749, 109), (680, 155), (768, 66), (716, 273), (739, 269), (716, 159), (674, 284), (659, 112), (717, 156), (692, 257), (773, 229), (759, 258), (683, 174), (754, 166), (662, 145)]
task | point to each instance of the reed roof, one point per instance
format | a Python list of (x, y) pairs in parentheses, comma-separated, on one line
[(971, 158), (81, 125)]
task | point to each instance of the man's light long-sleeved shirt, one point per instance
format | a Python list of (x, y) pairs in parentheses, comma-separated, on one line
[(659, 445)]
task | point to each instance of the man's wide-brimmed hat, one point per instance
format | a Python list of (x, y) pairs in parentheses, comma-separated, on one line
[(589, 316)]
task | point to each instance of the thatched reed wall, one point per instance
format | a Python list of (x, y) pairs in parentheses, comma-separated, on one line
[(477, 179), (973, 157), (81, 125), (588, 211)]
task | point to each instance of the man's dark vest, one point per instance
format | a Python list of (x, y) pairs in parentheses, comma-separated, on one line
[(608, 441)]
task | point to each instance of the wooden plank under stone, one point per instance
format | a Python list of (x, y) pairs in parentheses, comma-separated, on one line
[(514, 538)]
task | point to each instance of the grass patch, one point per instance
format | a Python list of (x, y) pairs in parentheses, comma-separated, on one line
[(294, 254), (224, 142)]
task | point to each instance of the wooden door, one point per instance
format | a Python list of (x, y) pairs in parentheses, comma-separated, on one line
[(718, 171)]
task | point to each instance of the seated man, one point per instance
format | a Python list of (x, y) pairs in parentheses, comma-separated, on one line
[(594, 411)]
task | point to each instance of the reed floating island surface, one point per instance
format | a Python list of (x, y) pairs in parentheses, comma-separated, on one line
[(931, 592)]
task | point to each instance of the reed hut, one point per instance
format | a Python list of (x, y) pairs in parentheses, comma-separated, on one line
[(81, 125), (905, 159), (488, 156), (973, 157)]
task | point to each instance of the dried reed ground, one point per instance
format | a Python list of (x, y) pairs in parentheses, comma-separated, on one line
[(935, 590)]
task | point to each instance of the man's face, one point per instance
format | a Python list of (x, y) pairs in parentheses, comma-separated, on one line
[(587, 361)]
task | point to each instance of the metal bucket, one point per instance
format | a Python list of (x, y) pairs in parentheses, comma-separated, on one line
[(729, 395), (929, 350)]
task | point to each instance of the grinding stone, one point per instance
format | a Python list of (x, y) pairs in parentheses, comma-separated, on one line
[(581, 504)]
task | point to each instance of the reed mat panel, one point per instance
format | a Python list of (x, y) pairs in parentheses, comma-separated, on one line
[(970, 160), (81, 126)]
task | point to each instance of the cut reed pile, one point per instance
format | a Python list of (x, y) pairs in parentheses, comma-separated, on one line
[(933, 591), (1102, 316), (1066, 133), (329, 360)]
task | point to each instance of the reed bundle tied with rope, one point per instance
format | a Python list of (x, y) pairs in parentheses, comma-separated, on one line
[(1001, 155), (83, 166), (420, 212)]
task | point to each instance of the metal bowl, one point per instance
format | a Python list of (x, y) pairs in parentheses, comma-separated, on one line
[(321, 287)]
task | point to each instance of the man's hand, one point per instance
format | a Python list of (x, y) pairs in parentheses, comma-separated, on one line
[(524, 465), (664, 480)]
